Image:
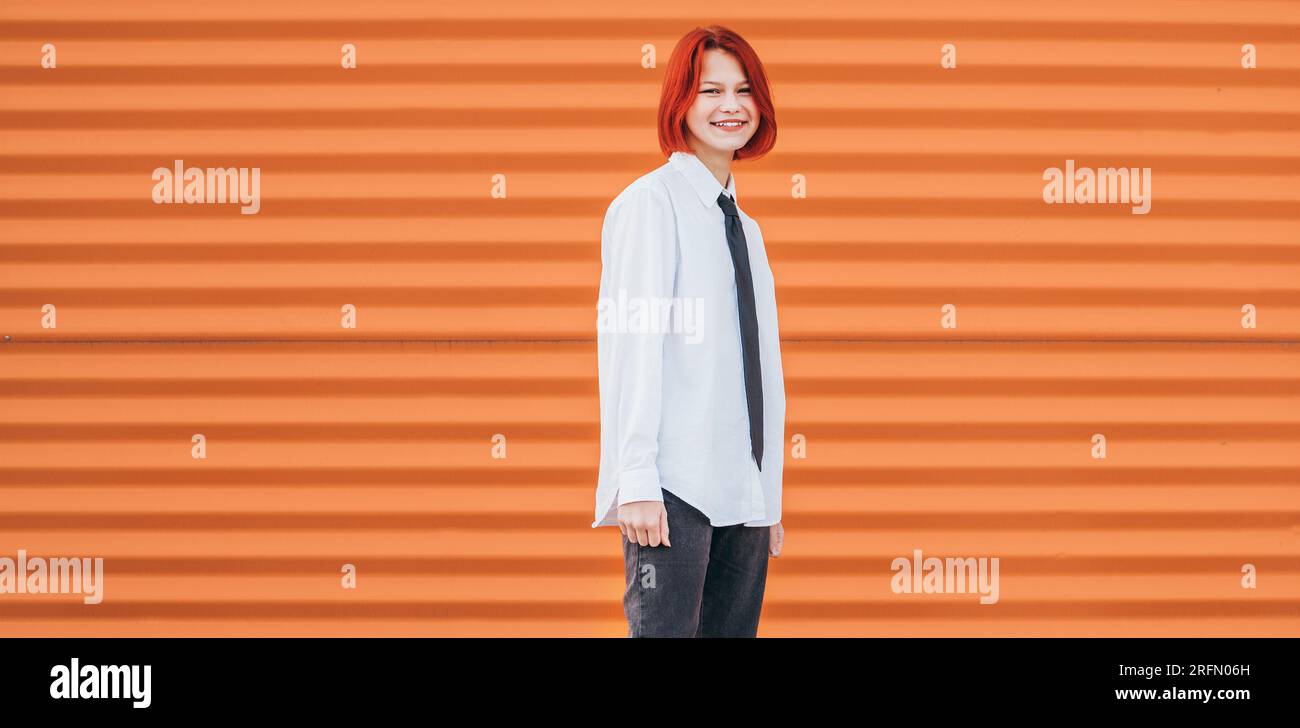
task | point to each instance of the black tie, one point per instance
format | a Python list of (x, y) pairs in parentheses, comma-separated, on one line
[(748, 324)]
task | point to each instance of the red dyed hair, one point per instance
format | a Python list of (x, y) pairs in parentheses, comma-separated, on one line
[(682, 81)]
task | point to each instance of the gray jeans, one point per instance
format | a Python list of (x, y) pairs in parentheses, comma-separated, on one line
[(709, 583)]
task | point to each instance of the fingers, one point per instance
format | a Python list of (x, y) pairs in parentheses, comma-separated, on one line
[(658, 531), (644, 523)]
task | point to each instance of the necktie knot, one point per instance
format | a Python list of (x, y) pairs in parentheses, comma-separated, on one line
[(727, 205)]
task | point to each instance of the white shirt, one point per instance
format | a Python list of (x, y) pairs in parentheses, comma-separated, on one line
[(673, 414)]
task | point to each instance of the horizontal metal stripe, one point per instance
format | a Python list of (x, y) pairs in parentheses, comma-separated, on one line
[(586, 386), (835, 10), (569, 306), (588, 140), (918, 523), (550, 119), (617, 627), (388, 252), (1190, 162), (348, 544), (869, 584), (962, 607), (504, 106), (523, 564), (359, 206), (899, 358), (197, 75), (1218, 27), (523, 500), (1157, 474)]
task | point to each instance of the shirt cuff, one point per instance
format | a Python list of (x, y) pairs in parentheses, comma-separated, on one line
[(639, 485)]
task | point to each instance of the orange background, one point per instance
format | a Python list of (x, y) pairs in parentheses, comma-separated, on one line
[(476, 315)]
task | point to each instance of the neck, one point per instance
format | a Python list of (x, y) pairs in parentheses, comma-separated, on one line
[(717, 161)]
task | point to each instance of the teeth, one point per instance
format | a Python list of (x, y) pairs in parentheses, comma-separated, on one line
[(727, 123)]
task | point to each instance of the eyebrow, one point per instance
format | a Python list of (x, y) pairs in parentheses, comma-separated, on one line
[(719, 83)]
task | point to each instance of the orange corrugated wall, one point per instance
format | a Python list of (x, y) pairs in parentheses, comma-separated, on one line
[(475, 315)]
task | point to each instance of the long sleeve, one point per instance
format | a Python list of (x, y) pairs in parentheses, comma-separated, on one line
[(642, 259)]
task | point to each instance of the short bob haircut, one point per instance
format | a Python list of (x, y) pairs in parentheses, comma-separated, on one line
[(682, 83)]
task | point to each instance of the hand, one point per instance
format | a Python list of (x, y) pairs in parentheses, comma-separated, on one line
[(777, 541), (644, 522)]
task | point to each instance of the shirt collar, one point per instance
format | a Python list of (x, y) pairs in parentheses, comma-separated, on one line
[(705, 184)]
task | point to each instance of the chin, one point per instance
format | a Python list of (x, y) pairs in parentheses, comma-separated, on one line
[(726, 145)]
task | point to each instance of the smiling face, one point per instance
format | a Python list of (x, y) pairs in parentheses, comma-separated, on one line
[(723, 96)]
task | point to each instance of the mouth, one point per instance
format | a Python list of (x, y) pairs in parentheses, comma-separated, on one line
[(729, 125)]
